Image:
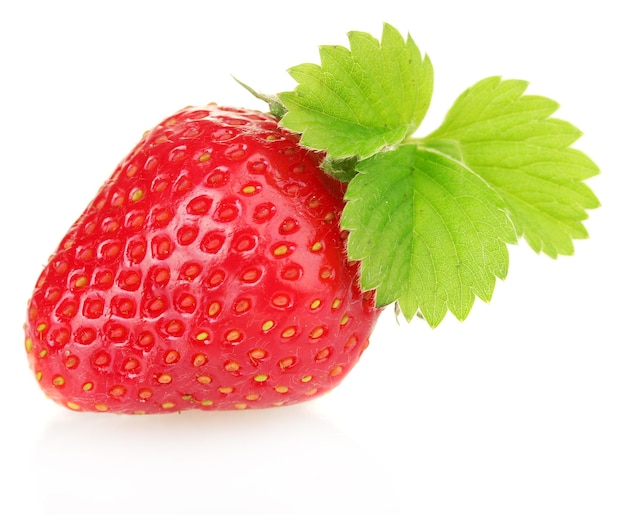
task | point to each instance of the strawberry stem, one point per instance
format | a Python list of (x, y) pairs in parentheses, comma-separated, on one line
[(277, 108)]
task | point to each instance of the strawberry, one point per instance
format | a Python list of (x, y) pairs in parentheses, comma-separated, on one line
[(237, 259), (208, 272)]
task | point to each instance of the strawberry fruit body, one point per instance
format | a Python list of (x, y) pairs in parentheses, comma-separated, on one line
[(209, 272)]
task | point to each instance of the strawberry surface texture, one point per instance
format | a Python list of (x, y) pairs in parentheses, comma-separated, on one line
[(209, 272)]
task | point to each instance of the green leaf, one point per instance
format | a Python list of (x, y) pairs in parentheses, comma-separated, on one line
[(430, 233), (360, 100), (511, 141), (429, 219)]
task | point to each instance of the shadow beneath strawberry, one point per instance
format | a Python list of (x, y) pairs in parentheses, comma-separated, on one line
[(276, 461)]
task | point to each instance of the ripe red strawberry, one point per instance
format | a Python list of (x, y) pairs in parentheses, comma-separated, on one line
[(209, 272)]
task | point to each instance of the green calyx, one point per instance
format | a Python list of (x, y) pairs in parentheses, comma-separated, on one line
[(430, 218)]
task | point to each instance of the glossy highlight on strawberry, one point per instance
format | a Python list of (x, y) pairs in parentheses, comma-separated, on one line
[(209, 272)]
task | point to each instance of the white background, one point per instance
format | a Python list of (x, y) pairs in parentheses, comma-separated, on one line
[(520, 409)]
